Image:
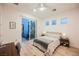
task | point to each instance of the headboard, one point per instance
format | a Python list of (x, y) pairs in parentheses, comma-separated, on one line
[(53, 34), (56, 33)]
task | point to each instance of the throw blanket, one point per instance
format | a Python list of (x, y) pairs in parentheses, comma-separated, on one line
[(42, 44)]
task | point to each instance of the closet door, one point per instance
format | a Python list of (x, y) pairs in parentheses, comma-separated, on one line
[(32, 29)]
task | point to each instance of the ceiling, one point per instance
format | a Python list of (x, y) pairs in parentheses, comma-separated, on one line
[(60, 7)]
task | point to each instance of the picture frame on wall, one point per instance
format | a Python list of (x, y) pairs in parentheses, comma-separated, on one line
[(53, 22), (64, 20), (12, 25), (47, 23)]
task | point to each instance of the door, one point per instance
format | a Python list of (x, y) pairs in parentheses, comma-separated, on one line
[(25, 28), (32, 29)]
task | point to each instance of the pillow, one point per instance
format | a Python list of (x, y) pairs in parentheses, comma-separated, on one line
[(53, 34)]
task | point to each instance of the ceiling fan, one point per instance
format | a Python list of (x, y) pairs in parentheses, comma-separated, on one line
[(42, 7)]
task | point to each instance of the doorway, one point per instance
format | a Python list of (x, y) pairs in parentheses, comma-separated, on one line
[(25, 29), (28, 29)]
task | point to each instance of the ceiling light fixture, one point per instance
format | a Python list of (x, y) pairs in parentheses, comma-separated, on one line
[(34, 10), (41, 7)]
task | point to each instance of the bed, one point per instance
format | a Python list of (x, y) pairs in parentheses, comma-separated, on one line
[(45, 45)]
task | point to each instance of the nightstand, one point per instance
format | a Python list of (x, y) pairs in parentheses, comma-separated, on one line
[(64, 42)]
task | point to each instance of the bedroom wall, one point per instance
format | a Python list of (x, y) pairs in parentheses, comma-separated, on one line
[(40, 27), (0, 22), (11, 13), (71, 30)]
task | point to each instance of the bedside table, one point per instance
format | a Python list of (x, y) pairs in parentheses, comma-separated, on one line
[(64, 42)]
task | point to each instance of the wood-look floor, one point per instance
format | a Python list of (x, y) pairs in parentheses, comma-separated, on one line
[(65, 51), (29, 50)]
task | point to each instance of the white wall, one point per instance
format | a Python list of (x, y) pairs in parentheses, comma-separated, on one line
[(0, 23), (10, 14), (71, 29), (39, 27)]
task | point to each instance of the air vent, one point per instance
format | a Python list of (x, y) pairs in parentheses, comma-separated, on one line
[(53, 9), (16, 3)]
